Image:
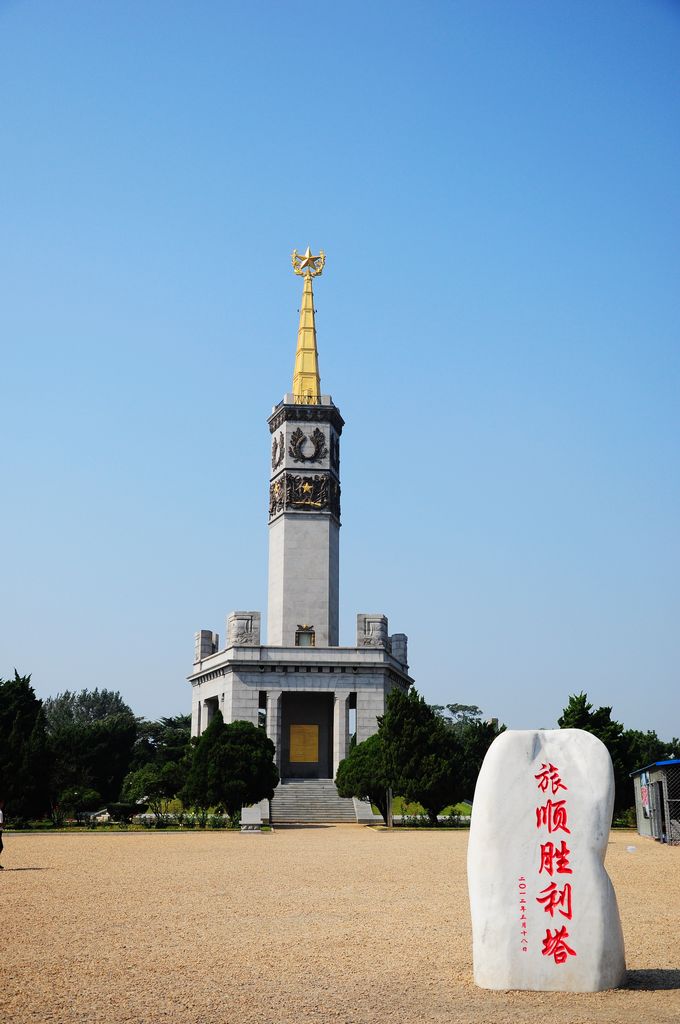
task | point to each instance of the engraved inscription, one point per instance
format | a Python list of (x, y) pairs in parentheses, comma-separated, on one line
[(304, 744)]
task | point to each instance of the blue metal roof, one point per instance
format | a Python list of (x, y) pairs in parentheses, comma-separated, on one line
[(655, 764)]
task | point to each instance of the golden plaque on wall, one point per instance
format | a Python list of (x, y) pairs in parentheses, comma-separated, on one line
[(304, 744)]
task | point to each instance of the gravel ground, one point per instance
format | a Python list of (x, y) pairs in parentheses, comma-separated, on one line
[(341, 924)]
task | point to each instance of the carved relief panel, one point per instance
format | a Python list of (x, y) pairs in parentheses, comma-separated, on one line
[(310, 447), (318, 493), (278, 450), (243, 629), (372, 631), (301, 446), (335, 452)]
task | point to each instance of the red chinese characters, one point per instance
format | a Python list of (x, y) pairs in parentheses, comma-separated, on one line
[(549, 776), (522, 887), (554, 860), (554, 815), (556, 946), (554, 899)]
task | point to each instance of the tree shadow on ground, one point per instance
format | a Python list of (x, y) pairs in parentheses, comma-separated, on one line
[(26, 869), (653, 981)]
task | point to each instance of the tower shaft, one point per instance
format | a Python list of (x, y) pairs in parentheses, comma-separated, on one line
[(306, 383), (304, 524)]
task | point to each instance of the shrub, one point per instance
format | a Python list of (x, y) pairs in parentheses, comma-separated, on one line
[(362, 774), (123, 812)]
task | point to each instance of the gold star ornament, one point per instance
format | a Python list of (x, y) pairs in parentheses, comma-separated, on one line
[(308, 265)]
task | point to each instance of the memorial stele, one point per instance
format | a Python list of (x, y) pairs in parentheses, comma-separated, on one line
[(301, 681), (544, 911)]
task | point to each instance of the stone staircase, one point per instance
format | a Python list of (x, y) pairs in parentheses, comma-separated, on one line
[(310, 800)]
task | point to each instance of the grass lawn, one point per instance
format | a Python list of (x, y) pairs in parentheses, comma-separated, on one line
[(399, 806)]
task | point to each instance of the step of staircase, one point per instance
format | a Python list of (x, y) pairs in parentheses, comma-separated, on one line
[(314, 800)]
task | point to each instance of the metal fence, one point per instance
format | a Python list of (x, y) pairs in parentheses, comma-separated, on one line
[(664, 804), (673, 803)]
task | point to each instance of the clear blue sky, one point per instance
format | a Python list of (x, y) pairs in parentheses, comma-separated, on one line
[(495, 185)]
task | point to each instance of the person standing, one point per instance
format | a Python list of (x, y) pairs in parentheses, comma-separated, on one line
[(2, 822)]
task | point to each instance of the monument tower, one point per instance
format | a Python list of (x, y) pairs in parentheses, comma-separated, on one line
[(309, 692)]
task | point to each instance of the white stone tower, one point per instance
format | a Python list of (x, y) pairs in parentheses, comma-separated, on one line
[(304, 496)]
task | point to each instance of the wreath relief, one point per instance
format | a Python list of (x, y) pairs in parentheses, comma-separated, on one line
[(277, 451), (298, 442)]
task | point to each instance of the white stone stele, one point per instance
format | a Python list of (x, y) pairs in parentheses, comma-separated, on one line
[(508, 844), (251, 818)]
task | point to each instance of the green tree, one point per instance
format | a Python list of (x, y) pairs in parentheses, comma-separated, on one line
[(167, 740), (24, 754), (643, 748), (233, 766), (91, 735), (196, 790), (92, 755), (154, 785), (580, 714), (475, 738), (362, 774), (74, 801), (422, 756), (84, 707), (457, 715)]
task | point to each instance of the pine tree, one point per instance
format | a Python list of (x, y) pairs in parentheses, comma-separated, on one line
[(422, 756), (24, 754), (195, 792), (580, 714)]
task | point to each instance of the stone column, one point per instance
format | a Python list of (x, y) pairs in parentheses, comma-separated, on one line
[(207, 712), (196, 717), (340, 729), (274, 723)]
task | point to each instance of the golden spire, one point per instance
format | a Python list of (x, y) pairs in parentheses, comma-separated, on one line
[(306, 384)]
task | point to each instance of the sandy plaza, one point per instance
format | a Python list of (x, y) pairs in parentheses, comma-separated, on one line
[(341, 924)]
